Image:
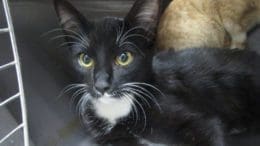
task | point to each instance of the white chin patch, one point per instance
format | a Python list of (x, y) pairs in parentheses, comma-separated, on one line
[(111, 108), (146, 142)]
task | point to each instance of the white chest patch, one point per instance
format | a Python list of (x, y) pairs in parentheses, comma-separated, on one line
[(111, 108)]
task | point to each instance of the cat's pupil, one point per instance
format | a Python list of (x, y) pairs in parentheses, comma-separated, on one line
[(123, 57), (86, 59)]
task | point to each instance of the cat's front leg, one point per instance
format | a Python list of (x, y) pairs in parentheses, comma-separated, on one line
[(203, 132)]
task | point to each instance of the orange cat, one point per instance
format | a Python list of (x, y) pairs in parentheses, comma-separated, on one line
[(207, 23)]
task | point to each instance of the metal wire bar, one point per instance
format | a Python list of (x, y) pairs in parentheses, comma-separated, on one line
[(11, 133), (5, 66), (18, 72), (3, 30), (9, 99)]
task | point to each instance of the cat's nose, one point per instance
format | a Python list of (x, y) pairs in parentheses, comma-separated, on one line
[(102, 82), (102, 86)]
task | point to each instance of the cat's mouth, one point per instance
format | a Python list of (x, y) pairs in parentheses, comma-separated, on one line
[(112, 108), (118, 104), (107, 99)]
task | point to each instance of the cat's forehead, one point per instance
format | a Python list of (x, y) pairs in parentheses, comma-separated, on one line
[(107, 26), (102, 36), (105, 30)]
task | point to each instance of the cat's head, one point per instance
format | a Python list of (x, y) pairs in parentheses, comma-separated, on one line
[(110, 53)]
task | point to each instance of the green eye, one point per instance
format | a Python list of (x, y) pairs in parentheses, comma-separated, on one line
[(124, 59), (85, 60)]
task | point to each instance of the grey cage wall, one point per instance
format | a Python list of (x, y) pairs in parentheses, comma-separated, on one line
[(51, 121), (15, 63)]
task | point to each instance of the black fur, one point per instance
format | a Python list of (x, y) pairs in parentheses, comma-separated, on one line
[(99, 39), (102, 34), (207, 91)]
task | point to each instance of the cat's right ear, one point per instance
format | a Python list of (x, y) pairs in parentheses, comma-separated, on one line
[(145, 14), (71, 20)]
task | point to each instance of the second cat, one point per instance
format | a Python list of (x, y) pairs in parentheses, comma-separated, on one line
[(207, 23)]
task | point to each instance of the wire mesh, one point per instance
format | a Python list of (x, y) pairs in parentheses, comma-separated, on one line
[(16, 64)]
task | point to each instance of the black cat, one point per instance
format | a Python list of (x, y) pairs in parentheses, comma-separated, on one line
[(113, 59), (205, 90)]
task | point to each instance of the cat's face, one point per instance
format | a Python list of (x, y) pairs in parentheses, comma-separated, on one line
[(110, 54)]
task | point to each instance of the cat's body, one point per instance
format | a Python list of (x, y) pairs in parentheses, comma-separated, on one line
[(214, 90), (207, 23), (207, 93), (119, 102)]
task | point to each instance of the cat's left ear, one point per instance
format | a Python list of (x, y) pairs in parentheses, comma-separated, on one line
[(145, 14)]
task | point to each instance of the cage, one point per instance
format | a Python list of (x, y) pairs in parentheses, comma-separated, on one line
[(52, 122)]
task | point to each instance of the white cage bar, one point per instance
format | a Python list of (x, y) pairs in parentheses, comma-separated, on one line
[(17, 65)]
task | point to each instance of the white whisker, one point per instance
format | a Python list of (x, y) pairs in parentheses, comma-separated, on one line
[(130, 30), (143, 111), (135, 113), (64, 36), (51, 31), (76, 36), (72, 43), (69, 88), (133, 45), (121, 38), (80, 42), (77, 93), (81, 106), (144, 92), (134, 91), (146, 84), (120, 31), (134, 35), (80, 36)]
